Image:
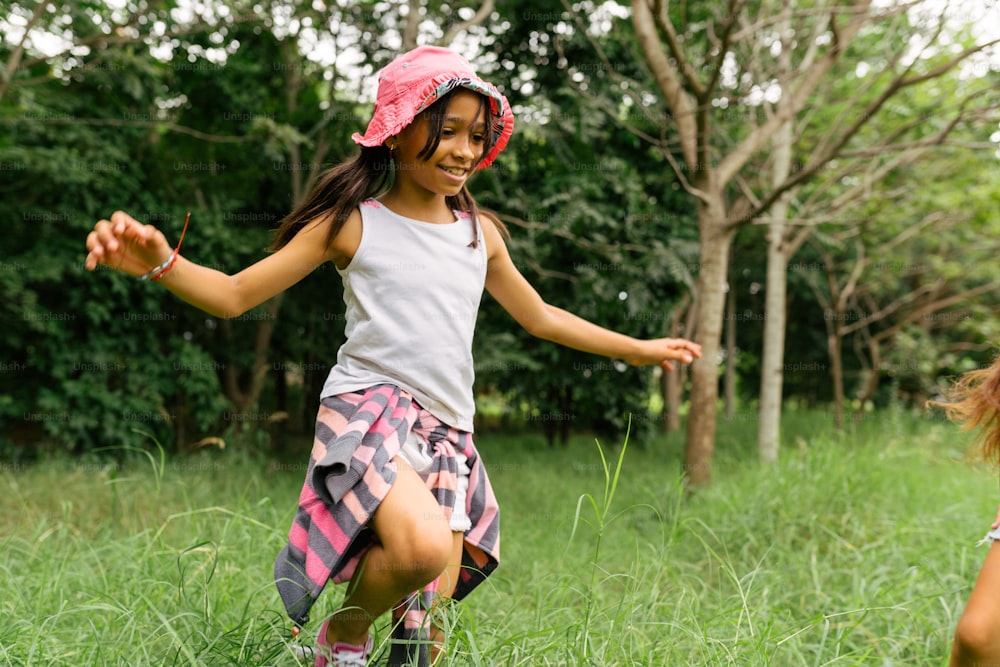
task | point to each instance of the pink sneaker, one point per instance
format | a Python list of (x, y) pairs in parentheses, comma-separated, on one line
[(340, 654)]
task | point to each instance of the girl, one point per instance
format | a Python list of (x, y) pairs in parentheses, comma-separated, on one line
[(975, 401), (396, 498)]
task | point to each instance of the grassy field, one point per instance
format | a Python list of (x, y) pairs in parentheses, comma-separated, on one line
[(853, 550)]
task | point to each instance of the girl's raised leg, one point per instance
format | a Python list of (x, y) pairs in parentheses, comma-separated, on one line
[(414, 546)]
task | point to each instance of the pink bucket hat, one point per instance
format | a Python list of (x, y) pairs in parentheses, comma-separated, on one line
[(415, 80)]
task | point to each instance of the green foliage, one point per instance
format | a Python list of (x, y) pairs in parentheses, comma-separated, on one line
[(91, 355), (230, 115), (900, 214), (597, 227), (230, 125)]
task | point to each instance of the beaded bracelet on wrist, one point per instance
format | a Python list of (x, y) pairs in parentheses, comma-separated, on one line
[(158, 272)]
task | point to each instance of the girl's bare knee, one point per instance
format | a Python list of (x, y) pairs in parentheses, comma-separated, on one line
[(415, 533), (423, 555)]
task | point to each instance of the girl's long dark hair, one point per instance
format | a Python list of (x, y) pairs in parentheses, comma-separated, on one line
[(342, 188), (339, 191), (974, 401)]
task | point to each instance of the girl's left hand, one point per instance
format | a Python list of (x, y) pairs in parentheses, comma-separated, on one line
[(126, 244), (664, 350)]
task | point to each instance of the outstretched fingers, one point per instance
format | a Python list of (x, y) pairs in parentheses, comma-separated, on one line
[(664, 351), (679, 349)]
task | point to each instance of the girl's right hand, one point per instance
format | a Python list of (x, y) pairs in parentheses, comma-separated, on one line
[(996, 521), (125, 244)]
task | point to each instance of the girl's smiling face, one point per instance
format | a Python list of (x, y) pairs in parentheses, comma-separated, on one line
[(423, 169)]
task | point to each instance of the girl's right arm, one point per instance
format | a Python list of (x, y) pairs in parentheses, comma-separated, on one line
[(125, 244)]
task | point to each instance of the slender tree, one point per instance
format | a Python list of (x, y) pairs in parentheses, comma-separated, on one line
[(735, 83)]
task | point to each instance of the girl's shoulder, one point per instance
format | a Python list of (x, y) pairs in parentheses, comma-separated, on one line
[(345, 243), (494, 234)]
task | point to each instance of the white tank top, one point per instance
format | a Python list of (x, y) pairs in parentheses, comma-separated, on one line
[(412, 293)]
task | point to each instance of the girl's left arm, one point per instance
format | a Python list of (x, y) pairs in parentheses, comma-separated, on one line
[(506, 284)]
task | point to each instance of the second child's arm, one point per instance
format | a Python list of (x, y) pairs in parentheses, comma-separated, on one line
[(506, 284), (125, 244)]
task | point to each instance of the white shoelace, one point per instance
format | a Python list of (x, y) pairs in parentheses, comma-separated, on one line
[(349, 659), (343, 658)]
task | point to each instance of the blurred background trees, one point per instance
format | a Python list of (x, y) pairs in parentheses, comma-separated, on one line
[(230, 109)]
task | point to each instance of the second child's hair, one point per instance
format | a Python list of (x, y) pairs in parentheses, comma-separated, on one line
[(341, 189), (974, 401)]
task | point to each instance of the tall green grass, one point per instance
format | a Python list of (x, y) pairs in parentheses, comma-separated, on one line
[(855, 549)]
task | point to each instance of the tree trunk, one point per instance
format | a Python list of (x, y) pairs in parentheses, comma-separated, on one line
[(772, 373), (245, 397), (874, 374), (834, 344), (775, 321), (716, 238), (411, 29), (671, 383), (730, 378), (773, 362)]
